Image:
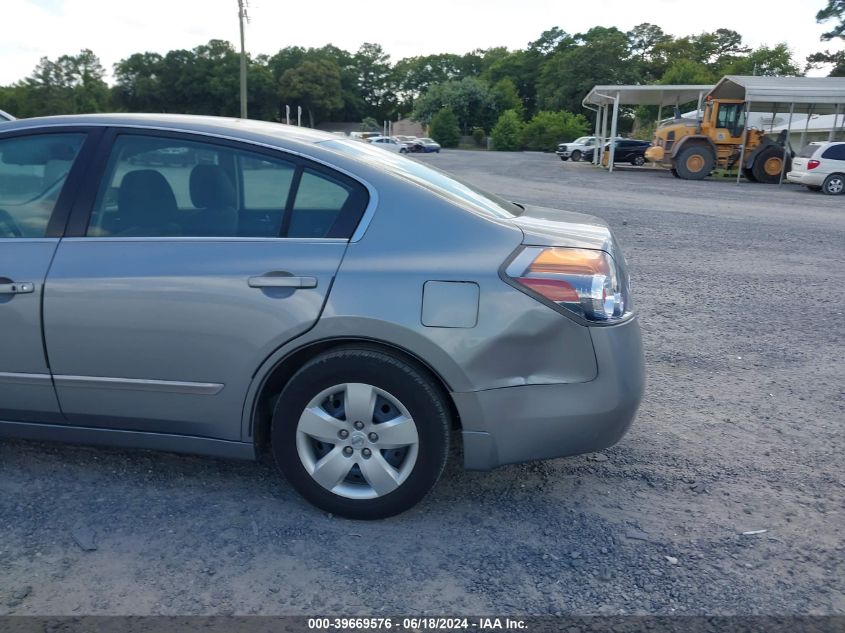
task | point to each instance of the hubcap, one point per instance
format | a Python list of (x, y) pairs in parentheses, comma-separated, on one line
[(772, 166), (357, 440), (835, 185), (695, 163)]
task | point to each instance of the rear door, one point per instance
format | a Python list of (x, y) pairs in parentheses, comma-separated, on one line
[(38, 171), (190, 263), (832, 159)]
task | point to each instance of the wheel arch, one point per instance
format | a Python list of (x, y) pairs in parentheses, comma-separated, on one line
[(271, 383), (693, 139), (755, 153)]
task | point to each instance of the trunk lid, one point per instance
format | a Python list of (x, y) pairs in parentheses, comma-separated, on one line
[(544, 226), (799, 164)]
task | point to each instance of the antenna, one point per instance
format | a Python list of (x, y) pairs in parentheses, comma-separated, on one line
[(242, 15)]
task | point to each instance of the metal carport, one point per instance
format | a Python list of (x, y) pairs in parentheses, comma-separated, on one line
[(811, 95), (603, 98)]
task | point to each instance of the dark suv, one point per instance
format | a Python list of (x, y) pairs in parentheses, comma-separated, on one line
[(627, 151)]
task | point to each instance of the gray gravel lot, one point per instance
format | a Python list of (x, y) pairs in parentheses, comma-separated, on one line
[(740, 290)]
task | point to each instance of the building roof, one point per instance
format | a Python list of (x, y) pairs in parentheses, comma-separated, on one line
[(777, 93), (666, 95), (817, 123)]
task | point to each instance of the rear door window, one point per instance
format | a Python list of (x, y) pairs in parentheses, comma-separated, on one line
[(157, 186), (835, 152), (33, 171), (808, 151)]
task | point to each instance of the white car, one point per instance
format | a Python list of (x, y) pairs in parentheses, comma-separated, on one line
[(577, 148), (390, 144), (820, 167)]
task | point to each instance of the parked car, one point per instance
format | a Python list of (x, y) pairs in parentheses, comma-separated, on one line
[(424, 145), (5, 116), (343, 308), (820, 167), (627, 151), (575, 150), (389, 143)]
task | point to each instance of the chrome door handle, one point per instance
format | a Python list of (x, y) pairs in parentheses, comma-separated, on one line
[(19, 288), (282, 282)]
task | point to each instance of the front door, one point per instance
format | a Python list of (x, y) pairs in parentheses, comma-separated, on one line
[(196, 262), (34, 169)]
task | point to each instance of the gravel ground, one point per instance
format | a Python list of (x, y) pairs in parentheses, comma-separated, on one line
[(740, 291)]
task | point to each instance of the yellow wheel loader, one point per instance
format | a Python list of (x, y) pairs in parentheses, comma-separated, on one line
[(693, 148)]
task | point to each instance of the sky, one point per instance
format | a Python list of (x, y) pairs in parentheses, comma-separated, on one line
[(114, 29)]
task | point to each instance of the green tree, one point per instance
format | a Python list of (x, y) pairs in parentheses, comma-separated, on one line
[(470, 99), (375, 81), (444, 128), (834, 10), (601, 58), (774, 62), (506, 97), (414, 75), (507, 133), (71, 84), (369, 124), (138, 83), (547, 129), (836, 59), (685, 71), (315, 85)]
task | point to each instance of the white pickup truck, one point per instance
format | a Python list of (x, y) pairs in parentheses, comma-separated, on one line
[(575, 150)]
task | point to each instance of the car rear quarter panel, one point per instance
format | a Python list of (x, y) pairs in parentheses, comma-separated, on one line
[(416, 236)]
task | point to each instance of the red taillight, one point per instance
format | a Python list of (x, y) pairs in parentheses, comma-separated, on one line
[(552, 289), (576, 280), (812, 164)]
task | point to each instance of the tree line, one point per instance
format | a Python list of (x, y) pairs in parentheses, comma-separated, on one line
[(470, 92)]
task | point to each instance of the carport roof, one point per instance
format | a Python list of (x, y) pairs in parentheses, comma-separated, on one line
[(646, 95), (769, 94)]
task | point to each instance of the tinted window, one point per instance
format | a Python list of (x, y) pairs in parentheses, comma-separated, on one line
[(168, 187), (33, 170), (319, 202), (835, 152)]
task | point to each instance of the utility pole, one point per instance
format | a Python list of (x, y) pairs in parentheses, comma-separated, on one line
[(242, 4)]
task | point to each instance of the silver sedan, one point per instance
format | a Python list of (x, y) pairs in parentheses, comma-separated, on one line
[(232, 287)]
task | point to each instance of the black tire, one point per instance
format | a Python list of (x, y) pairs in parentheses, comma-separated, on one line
[(638, 161), (767, 165), (564, 158), (674, 172), (576, 156), (410, 384), (694, 162), (834, 185), (749, 175)]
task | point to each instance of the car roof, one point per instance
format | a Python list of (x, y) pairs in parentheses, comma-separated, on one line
[(222, 126)]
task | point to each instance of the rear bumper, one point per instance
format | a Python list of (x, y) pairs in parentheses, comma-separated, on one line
[(529, 422), (805, 178)]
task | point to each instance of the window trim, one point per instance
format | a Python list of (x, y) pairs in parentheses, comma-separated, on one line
[(77, 175), (83, 205)]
